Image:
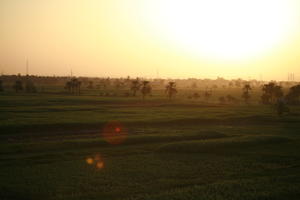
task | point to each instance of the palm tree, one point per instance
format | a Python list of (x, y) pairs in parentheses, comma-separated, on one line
[(18, 86), (76, 86), (73, 86), (293, 96), (246, 94), (68, 86), (135, 86), (146, 89), (171, 89), (271, 93)]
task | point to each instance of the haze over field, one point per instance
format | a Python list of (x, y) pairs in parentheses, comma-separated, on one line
[(165, 38), (149, 99)]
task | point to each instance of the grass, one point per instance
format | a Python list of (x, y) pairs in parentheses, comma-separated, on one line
[(184, 149)]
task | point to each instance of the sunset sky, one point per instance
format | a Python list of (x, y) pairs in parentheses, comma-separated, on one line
[(150, 38)]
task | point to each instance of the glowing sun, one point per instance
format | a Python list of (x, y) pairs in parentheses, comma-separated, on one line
[(231, 29)]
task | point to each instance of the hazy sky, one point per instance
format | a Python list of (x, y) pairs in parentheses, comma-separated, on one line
[(149, 38)]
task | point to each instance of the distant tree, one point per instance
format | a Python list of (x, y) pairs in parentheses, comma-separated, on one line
[(1, 86), (207, 94), (171, 89), (135, 86), (246, 92), (68, 86), (18, 86), (293, 96), (146, 89), (30, 87), (76, 86), (90, 85), (271, 93), (107, 82), (118, 84), (73, 86)]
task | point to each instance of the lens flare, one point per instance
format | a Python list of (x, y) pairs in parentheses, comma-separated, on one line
[(96, 161), (89, 161), (114, 133), (100, 165)]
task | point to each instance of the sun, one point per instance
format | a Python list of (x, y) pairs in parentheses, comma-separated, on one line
[(231, 29)]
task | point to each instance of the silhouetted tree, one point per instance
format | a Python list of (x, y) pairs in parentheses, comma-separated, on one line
[(146, 89), (171, 89), (293, 96), (1, 86), (90, 85), (271, 92), (68, 86), (29, 85), (135, 86), (18, 86), (73, 86), (246, 94), (207, 94), (76, 86)]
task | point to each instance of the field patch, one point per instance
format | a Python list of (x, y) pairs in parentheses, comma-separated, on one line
[(221, 145)]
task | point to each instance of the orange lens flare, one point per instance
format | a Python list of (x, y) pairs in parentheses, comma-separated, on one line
[(89, 161), (114, 133), (100, 165), (96, 161)]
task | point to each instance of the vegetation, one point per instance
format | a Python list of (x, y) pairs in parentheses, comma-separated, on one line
[(73, 86), (271, 93), (246, 92), (60, 146), (293, 96), (135, 86), (1, 86), (171, 89), (145, 89), (18, 86)]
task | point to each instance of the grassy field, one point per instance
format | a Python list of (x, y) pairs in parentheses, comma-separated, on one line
[(52, 147)]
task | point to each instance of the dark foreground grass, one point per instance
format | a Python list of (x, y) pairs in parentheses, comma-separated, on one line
[(173, 150)]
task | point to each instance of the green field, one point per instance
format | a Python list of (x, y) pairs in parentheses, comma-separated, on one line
[(179, 149)]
